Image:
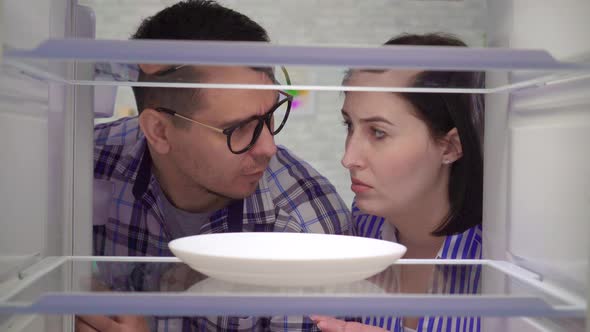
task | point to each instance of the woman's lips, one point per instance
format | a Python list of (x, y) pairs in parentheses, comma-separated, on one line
[(359, 186)]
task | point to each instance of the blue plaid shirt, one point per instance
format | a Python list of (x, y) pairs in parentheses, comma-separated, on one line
[(128, 221)]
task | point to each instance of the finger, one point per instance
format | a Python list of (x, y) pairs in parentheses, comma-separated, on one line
[(317, 318), (125, 319), (98, 285), (138, 323), (330, 324), (81, 326), (152, 68), (99, 323), (358, 327)]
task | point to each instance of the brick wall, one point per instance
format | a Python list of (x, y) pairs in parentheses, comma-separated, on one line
[(316, 136)]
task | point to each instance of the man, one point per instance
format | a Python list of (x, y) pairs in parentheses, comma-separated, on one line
[(199, 161)]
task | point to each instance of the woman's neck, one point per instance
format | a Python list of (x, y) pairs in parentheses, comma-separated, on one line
[(415, 226), (422, 246)]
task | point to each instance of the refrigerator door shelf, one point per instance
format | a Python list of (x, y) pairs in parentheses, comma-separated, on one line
[(313, 67), (142, 286)]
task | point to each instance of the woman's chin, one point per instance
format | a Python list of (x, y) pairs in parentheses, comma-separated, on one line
[(367, 206)]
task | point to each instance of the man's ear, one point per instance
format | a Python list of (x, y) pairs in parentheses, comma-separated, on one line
[(156, 126), (452, 149)]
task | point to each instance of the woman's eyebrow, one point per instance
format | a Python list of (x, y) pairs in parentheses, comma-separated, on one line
[(369, 119), (377, 119)]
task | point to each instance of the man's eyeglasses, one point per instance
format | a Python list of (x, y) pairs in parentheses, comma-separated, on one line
[(242, 136)]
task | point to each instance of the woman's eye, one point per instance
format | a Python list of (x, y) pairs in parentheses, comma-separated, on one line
[(347, 124), (378, 133)]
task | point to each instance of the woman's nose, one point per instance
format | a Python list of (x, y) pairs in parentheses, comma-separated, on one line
[(352, 156)]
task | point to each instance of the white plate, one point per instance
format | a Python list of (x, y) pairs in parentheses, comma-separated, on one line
[(286, 259)]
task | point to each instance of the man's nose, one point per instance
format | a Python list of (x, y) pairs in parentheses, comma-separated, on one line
[(265, 145)]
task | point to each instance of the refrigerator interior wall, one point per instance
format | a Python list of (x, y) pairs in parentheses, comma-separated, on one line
[(549, 181), (32, 116), (535, 154), (34, 168), (551, 241), (548, 208)]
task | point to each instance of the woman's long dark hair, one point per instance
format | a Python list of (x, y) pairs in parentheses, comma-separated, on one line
[(444, 111)]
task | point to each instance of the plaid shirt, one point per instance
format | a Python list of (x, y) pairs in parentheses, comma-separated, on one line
[(128, 221)]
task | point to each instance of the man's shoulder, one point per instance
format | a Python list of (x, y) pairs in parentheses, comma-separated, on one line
[(303, 196), (116, 147), (289, 176), (285, 165), (122, 132)]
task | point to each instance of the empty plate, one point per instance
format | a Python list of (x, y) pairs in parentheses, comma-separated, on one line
[(286, 259)]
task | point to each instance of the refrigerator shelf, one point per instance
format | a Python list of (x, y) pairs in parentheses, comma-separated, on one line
[(317, 68), (165, 286)]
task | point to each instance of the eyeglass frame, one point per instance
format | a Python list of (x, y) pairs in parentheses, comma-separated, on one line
[(262, 120), (265, 118)]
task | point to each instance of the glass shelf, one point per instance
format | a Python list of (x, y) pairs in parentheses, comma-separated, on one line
[(10, 266), (165, 286), (311, 67)]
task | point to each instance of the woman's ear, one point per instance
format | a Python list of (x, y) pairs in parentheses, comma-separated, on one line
[(155, 126), (452, 149)]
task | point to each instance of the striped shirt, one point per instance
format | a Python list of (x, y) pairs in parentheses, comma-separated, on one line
[(446, 279), (128, 221)]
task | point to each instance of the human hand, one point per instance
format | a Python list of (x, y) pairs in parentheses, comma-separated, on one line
[(107, 324), (159, 70), (331, 324), (152, 68)]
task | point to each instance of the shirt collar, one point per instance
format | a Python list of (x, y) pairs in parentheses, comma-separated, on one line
[(466, 245), (135, 165)]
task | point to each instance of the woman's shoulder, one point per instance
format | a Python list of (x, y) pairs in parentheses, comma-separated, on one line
[(466, 245)]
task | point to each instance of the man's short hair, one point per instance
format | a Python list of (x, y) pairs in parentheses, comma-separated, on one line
[(190, 20)]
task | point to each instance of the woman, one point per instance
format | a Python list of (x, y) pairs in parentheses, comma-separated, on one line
[(415, 159)]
